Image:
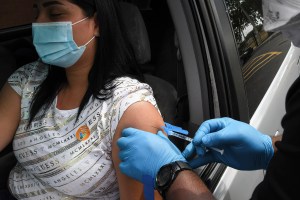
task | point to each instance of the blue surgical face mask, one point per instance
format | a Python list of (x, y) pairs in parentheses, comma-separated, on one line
[(55, 45)]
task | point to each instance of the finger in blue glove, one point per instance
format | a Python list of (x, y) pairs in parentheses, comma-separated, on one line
[(245, 148)]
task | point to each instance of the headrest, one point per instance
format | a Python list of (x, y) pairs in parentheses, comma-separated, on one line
[(136, 31), (7, 65)]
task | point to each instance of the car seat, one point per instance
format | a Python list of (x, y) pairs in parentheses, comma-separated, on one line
[(7, 158), (164, 92), (7, 65), (14, 54)]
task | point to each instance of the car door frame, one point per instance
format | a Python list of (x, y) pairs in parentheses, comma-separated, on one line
[(213, 72)]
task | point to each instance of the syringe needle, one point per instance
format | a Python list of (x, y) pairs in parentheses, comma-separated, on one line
[(186, 138), (221, 151)]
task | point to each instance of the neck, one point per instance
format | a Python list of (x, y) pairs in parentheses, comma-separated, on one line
[(77, 75), (72, 93)]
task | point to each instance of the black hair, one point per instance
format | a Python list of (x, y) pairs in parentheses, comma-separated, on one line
[(114, 58)]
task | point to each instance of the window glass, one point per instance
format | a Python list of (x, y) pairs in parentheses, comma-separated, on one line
[(261, 53), (15, 13)]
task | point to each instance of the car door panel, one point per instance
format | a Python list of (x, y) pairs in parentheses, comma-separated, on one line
[(209, 21)]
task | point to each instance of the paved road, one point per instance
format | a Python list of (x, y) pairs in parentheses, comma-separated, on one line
[(261, 68)]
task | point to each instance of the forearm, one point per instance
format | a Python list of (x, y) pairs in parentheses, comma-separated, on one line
[(188, 186), (10, 114)]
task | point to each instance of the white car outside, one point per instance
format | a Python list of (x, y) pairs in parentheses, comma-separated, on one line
[(239, 185)]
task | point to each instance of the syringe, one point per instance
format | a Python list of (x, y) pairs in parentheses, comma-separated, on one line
[(186, 138), (171, 130)]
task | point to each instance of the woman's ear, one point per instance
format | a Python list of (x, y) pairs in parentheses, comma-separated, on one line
[(96, 28)]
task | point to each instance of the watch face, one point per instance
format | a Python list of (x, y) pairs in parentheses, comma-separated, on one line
[(164, 176)]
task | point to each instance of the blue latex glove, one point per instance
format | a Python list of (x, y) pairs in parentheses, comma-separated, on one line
[(143, 153), (244, 147)]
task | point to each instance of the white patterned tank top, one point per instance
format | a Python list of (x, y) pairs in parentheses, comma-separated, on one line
[(61, 159)]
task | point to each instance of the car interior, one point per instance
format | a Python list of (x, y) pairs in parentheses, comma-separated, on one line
[(172, 40), (152, 35)]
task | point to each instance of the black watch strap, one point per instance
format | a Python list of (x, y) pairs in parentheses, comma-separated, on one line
[(173, 169)]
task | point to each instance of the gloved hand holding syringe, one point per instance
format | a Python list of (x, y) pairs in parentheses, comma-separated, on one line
[(240, 146), (178, 132)]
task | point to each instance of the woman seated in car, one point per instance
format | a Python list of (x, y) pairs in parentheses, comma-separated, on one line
[(65, 112)]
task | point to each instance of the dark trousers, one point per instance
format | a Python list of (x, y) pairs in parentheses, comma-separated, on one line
[(5, 195)]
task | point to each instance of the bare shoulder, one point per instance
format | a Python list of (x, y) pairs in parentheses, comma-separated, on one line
[(9, 97), (142, 115)]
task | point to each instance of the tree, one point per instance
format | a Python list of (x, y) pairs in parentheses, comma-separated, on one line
[(244, 13)]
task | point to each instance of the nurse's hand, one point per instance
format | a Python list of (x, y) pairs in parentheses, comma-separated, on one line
[(243, 147), (143, 153)]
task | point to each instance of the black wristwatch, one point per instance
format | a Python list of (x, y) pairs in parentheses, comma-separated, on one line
[(167, 174)]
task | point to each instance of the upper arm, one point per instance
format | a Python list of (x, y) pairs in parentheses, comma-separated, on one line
[(140, 115), (10, 109)]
